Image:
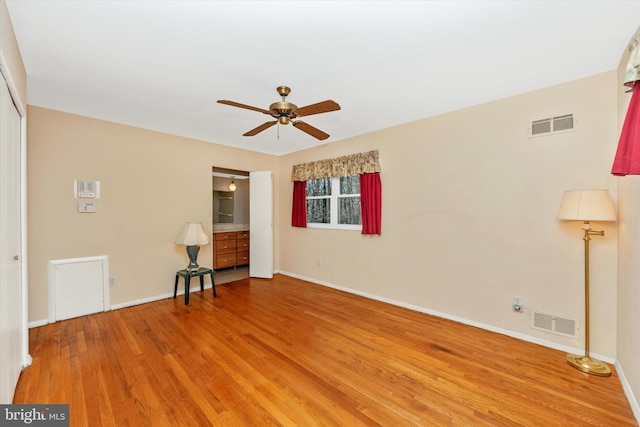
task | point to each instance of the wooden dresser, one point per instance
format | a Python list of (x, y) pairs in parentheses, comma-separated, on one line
[(230, 249)]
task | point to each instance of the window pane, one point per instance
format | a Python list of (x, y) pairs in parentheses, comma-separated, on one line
[(318, 211), (349, 210), (350, 184), (319, 187)]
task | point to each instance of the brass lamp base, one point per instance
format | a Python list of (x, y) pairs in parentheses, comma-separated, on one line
[(589, 365)]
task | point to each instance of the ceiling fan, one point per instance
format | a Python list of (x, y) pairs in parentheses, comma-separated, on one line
[(285, 112)]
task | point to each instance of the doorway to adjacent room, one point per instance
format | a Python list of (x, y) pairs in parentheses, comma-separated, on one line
[(231, 207)]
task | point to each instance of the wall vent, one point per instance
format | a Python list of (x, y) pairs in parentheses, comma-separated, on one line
[(559, 325), (553, 125)]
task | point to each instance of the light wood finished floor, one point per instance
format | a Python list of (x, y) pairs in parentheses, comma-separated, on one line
[(231, 274), (287, 352)]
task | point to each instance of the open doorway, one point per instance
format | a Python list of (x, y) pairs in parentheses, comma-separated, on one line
[(231, 223)]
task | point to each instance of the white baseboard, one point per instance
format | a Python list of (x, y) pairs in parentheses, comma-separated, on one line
[(633, 402), (157, 297), (193, 289), (520, 336), (37, 323)]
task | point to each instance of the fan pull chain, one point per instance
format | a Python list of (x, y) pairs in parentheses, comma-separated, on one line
[(278, 131)]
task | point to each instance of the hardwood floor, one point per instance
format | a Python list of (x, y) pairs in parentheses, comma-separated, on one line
[(291, 353)]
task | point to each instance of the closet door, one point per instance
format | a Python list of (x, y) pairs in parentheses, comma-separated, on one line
[(261, 224), (11, 304)]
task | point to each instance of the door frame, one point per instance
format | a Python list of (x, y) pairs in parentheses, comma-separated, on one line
[(22, 111), (261, 226)]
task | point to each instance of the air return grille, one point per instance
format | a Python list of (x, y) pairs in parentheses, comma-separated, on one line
[(552, 125), (565, 326)]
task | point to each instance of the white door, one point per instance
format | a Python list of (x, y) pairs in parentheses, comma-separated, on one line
[(261, 224), (11, 304)]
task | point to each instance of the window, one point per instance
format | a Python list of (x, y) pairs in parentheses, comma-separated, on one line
[(353, 202), (334, 203)]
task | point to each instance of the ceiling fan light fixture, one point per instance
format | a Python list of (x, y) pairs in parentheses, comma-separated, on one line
[(283, 120)]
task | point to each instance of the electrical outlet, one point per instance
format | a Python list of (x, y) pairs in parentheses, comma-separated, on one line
[(318, 262), (112, 282), (516, 304)]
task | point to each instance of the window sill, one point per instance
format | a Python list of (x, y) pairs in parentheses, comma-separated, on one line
[(356, 227)]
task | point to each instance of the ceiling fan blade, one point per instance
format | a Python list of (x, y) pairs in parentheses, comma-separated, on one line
[(320, 107), (314, 132), (260, 128), (237, 104)]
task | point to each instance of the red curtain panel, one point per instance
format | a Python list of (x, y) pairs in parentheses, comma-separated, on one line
[(299, 207), (627, 160), (371, 203)]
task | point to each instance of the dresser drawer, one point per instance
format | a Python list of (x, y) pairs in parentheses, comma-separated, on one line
[(225, 260), (242, 258), (243, 235), (224, 236), (242, 245), (224, 246)]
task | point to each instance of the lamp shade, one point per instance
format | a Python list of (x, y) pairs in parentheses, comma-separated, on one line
[(587, 205), (192, 234)]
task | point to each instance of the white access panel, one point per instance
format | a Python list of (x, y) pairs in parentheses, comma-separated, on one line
[(79, 286), (261, 224)]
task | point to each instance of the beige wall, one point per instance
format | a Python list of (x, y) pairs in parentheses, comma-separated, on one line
[(628, 261), (469, 214), (151, 184)]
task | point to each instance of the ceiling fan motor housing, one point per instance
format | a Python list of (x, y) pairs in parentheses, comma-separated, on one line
[(283, 109)]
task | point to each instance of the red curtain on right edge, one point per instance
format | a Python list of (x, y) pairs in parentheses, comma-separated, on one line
[(371, 203), (627, 160), (299, 205)]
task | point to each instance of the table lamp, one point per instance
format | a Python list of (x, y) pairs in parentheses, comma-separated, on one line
[(192, 235)]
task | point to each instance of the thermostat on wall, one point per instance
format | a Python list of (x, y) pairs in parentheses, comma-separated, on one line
[(86, 207)]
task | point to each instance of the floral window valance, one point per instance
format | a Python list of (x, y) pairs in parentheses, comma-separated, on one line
[(354, 164), (632, 72)]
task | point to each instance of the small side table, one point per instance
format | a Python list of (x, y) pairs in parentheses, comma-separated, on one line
[(188, 274)]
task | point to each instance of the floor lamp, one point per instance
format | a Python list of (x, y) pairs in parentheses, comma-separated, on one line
[(587, 205)]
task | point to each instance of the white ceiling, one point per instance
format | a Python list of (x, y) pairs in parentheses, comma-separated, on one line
[(162, 65)]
